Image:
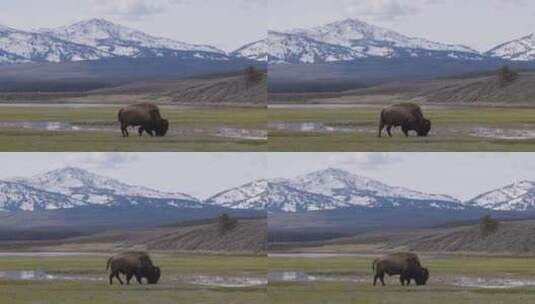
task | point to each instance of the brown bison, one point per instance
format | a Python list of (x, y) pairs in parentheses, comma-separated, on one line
[(406, 265), (407, 115), (146, 116), (133, 264)]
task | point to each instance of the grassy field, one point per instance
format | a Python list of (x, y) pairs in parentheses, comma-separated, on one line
[(98, 291), (438, 290), (355, 129), (191, 129)]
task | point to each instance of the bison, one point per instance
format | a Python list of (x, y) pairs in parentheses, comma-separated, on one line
[(146, 116), (406, 265), (133, 264), (407, 115)]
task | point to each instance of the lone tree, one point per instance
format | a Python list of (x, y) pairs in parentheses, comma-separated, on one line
[(506, 75), (253, 76), (225, 223), (488, 225)]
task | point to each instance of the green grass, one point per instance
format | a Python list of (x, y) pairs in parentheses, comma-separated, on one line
[(363, 291), (192, 129), (35, 291), (451, 130), (344, 292)]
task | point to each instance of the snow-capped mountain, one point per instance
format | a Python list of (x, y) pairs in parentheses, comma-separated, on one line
[(271, 196), (99, 39), (22, 47), (328, 190), (290, 48), (515, 197), (99, 190), (522, 49), (118, 40), (257, 50), (20, 197), (351, 39)]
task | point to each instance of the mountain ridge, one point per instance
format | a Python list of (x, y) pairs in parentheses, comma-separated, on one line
[(96, 39)]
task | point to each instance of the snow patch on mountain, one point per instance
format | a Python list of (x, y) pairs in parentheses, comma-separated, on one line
[(257, 50), (94, 189), (522, 49), (351, 39), (515, 197)]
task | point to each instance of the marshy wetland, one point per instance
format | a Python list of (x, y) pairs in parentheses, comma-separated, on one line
[(82, 278), (355, 128), (93, 127), (346, 278)]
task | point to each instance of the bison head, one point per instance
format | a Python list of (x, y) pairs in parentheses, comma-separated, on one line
[(425, 127), (421, 276), (162, 127), (154, 275)]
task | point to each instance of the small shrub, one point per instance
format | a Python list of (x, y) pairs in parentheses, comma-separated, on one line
[(488, 225), (253, 76), (506, 75), (225, 223)]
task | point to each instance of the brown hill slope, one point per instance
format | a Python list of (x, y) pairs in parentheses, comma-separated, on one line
[(249, 236), (512, 238), (486, 89), (224, 89)]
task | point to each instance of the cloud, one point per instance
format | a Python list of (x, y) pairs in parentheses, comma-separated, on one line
[(380, 9), (129, 9), (364, 161), (101, 159)]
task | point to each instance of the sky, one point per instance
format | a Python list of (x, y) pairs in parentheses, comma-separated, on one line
[(480, 24), (461, 175), (227, 24)]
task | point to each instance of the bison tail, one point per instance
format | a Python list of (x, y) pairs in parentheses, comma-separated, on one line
[(119, 116), (108, 264)]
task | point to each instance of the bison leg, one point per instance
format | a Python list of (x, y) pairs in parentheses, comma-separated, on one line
[(389, 130), (382, 278), (111, 278), (402, 280), (375, 280), (140, 131), (405, 131), (118, 278), (138, 279), (128, 278), (124, 130), (381, 127)]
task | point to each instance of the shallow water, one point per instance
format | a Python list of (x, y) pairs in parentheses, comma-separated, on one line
[(250, 134), (458, 281), (200, 279), (314, 127), (492, 282), (297, 276), (498, 133), (227, 132)]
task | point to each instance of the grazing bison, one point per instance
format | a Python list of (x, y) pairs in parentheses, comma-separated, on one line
[(133, 264), (406, 265), (407, 115), (146, 116)]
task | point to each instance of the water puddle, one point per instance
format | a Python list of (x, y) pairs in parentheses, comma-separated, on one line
[(250, 134), (297, 276), (497, 133), (492, 282), (315, 127), (41, 275), (51, 126), (223, 281)]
